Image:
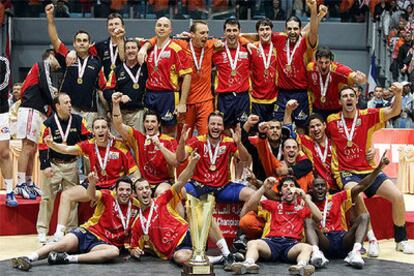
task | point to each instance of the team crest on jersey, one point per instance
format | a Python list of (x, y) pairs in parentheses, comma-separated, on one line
[(280, 208), (243, 55), (358, 122), (166, 54), (113, 155)]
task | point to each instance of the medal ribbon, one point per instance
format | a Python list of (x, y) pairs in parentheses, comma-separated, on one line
[(289, 56), (233, 63), (197, 63), (266, 61), (158, 57), (66, 133), (324, 86), (144, 227), (111, 52), (325, 152), (325, 212), (212, 157), (82, 67), (135, 78), (125, 223), (349, 136), (105, 161)]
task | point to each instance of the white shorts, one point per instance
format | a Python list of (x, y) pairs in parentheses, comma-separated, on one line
[(29, 124), (4, 127)]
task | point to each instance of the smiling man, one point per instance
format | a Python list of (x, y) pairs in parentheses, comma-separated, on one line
[(100, 239)]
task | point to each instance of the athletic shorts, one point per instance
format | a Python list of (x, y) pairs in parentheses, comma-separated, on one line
[(234, 106), (353, 177), (86, 240), (4, 127), (301, 113), (185, 243), (29, 124), (279, 248), (264, 111), (336, 245), (163, 103), (227, 194)]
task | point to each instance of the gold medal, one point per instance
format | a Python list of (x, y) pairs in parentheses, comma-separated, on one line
[(155, 68), (349, 144), (323, 99), (212, 167), (288, 67), (233, 73), (80, 80), (113, 66), (146, 238), (266, 72), (103, 172), (135, 85)]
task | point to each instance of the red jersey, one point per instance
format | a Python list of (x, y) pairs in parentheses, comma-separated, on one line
[(120, 161), (296, 77), (283, 219), (338, 205), (340, 75), (263, 81), (105, 222), (173, 64), (353, 158), (151, 162), (224, 82), (167, 228), (202, 173), (323, 169)]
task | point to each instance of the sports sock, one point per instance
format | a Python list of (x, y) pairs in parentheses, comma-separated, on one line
[(222, 245), (302, 263), (60, 228), (249, 261), (371, 235), (21, 178), (33, 256), (73, 258), (315, 248), (357, 246), (9, 185), (400, 233)]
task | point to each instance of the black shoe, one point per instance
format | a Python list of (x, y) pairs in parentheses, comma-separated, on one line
[(228, 261), (21, 263), (238, 257), (57, 258), (240, 243)]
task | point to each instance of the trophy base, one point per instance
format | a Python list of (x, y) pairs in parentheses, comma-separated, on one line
[(199, 270)]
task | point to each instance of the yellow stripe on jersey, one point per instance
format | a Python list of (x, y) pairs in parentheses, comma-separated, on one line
[(268, 217), (99, 210), (345, 206)]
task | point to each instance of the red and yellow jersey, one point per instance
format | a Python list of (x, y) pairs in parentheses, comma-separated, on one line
[(322, 168), (167, 228), (202, 173), (296, 77), (338, 205), (173, 64), (283, 219), (120, 161), (353, 158), (224, 82), (105, 222), (263, 82), (340, 75), (151, 162)]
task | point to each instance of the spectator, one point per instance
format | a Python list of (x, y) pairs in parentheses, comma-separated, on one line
[(394, 67), (395, 12), (377, 101), (403, 52), (298, 8), (405, 120), (15, 95), (102, 8), (242, 8), (409, 63), (362, 103), (380, 8), (273, 10), (160, 7), (61, 9)]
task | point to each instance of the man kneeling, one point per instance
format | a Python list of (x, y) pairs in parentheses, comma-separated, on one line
[(99, 239), (283, 229)]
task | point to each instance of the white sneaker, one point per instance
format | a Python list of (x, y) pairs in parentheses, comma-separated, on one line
[(405, 247), (41, 238), (373, 249), (354, 259), (57, 237), (318, 259), (245, 268)]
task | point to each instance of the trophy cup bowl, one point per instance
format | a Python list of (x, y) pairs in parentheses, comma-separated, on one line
[(199, 215)]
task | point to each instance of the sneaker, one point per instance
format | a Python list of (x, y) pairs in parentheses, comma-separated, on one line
[(354, 259), (363, 251), (228, 261), (41, 238), (318, 259), (56, 237), (243, 268), (22, 190), (404, 247), (238, 257), (373, 248), (11, 200), (21, 263), (35, 190), (301, 270), (55, 258), (240, 243)]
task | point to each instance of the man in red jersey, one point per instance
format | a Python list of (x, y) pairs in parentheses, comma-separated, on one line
[(294, 52), (110, 158), (351, 132), (283, 230), (167, 62), (332, 234), (154, 151), (326, 78), (212, 173), (232, 77), (159, 228), (263, 72), (99, 240)]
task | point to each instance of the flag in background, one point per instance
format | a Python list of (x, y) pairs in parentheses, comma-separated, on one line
[(372, 77)]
